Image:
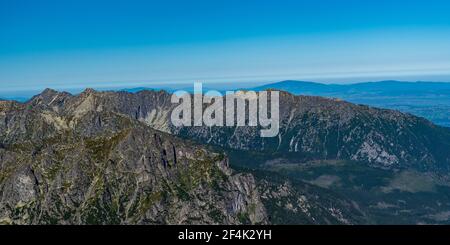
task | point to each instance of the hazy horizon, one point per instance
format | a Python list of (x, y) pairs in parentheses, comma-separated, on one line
[(28, 93), (125, 44)]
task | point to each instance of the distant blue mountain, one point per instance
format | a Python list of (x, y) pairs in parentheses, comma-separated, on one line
[(20, 99), (382, 87), (427, 99), (138, 89)]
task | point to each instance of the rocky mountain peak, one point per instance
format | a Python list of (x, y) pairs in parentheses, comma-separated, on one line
[(48, 92), (115, 158), (88, 91)]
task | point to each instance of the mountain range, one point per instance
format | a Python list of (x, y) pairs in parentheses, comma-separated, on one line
[(115, 158), (430, 100), (426, 99)]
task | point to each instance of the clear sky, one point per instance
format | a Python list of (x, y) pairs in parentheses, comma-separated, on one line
[(75, 44)]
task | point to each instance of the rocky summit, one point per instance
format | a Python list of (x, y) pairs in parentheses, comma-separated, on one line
[(115, 158)]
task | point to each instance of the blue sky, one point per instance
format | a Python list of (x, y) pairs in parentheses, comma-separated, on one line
[(76, 44)]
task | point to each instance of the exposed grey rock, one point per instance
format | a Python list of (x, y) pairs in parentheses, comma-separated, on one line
[(114, 158), (310, 128), (95, 166)]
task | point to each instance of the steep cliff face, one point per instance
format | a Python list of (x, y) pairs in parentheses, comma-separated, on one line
[(296, 202), (311, 128), (96, 158), (314, 128), (115, 158), (100, 167)]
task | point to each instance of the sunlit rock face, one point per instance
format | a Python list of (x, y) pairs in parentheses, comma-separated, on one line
[(115, 158), (310, 128)]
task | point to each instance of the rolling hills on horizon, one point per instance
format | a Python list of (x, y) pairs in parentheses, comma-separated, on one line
[(430, 100), (297, 86)]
